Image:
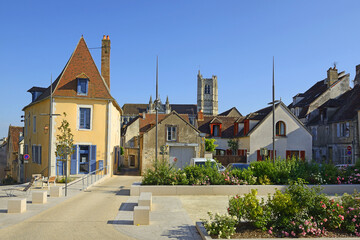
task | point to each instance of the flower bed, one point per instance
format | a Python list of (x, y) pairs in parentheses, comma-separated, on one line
[(282, 172), (299, 211)]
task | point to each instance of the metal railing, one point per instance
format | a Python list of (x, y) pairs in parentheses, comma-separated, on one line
[(91, 177)]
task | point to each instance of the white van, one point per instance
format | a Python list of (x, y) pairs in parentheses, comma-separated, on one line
[(202, 161)]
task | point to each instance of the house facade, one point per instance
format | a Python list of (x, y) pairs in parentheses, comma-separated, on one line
[(292, 138), (81, 95), (14, 150), (178, 141), (335, 129)]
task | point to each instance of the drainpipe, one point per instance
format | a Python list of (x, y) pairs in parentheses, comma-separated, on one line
[(108, 138)]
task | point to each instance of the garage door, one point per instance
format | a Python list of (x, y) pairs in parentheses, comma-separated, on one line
[(181, 156)]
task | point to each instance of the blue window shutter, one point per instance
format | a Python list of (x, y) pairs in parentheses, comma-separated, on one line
[(73, 161), (40, 148), (92, 158), (60, 167)]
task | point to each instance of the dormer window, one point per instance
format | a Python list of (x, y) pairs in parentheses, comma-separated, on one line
[(82, 86), (215, 130)]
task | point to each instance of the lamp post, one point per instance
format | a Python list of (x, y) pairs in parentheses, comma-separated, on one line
[(157, 117)]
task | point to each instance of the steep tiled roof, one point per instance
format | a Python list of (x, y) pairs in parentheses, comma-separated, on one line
[(137, 108), (232, 112), (80, 64), (184, 108), (134, 108), (349, 103), (14, 134), (311, 94)]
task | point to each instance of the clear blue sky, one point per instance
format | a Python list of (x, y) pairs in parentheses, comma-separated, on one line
[(234, 40)]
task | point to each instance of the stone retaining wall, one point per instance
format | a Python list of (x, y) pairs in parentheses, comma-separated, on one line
[(263, 190)]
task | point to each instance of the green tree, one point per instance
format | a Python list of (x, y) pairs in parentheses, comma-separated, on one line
[(233, 145), (210, 145), (64, 142)]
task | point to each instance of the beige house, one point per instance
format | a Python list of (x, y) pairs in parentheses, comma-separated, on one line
[(178, 141), (94, 116)]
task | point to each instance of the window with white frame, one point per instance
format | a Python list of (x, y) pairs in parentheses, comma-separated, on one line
[(344, 156), (171, 133), (343, 129)]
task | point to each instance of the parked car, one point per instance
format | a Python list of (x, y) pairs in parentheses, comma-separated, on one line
[(237, 166), (202, 161)]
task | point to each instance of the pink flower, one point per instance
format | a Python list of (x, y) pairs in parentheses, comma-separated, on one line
[(323, 206), (341, 217), (271, 228), (354, 220), (325, 220), (292, 233), (270, 232), (286, 234)]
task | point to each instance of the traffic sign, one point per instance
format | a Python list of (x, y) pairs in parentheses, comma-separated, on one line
[(349, 148), (26, 156), (349, 152)]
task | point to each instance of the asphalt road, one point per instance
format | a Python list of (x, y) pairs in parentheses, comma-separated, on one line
[(89, 215)]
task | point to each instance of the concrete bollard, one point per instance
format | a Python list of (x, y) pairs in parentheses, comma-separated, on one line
[(17, 205), (56, 191), (141, 215), (39, 197)]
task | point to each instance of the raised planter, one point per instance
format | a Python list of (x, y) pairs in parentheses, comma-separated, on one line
[(263, 190)]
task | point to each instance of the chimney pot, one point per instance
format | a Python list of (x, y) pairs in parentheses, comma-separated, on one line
[(104, 37), (107, 37)]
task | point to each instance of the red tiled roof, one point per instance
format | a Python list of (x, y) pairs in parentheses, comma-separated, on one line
[(14, 134), (81, 63)]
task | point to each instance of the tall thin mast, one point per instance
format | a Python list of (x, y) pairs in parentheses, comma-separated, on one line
[(273, 103), (50, 128), (156, 110)]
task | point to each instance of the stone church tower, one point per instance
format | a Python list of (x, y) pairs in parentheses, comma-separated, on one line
[(207, 95)]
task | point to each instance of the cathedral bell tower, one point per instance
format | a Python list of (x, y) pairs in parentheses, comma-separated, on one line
[(207, 95)]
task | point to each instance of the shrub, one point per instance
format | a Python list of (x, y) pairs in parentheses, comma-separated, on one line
[(164, 175), (222, 226), (250, 209)]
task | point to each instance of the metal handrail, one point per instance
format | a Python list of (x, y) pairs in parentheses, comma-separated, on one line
[(94, 177)]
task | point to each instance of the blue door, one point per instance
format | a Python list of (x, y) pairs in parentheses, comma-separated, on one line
[(73, 161), (92, 158)]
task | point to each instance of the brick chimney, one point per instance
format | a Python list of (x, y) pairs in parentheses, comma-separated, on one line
[(332, 76), (200, 116), (105, 59), (357, 76)]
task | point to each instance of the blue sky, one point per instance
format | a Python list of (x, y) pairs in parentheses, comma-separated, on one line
[(234, 40)]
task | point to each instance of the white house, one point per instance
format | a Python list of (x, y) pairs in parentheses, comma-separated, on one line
[(292, 138)]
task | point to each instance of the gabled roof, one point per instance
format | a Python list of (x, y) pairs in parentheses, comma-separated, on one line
[(147, 123), (36, 89), (14, 136), (313, 93), (80, 64), (265, 112), (232, 112), (227, 125)]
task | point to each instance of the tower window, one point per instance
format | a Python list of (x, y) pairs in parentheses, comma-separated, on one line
[(207, 89)]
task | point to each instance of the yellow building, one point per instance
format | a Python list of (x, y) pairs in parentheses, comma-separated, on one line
[(93, 114)]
